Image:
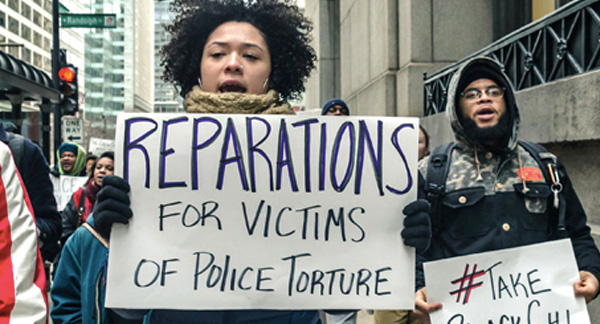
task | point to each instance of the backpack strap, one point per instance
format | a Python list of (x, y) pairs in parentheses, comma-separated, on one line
[(96, 234), (16, 143), (549, 165), (435, 183)]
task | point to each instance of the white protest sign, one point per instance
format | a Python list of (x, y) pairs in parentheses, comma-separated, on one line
[(64, 187), (101, 145), (530, 284), (264, 211)]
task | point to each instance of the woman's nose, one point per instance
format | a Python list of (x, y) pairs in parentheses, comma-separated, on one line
[(234, 64)]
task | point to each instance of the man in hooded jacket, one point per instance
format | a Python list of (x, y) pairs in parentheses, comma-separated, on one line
[(487, 202)]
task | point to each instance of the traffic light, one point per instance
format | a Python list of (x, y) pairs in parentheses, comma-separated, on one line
[(67, 75)]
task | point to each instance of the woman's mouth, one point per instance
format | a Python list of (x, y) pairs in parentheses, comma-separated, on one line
[(232, 86)]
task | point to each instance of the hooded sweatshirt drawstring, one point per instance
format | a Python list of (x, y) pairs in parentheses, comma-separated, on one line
[(525, 189), (479, 177)]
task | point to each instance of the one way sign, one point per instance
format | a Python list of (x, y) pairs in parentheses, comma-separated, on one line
[(72, 130)]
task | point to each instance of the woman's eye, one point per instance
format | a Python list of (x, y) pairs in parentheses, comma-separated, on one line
[(251, 57), (216, 55)]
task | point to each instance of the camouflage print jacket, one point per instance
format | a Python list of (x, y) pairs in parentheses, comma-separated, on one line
[(485, 208), (494, 213)]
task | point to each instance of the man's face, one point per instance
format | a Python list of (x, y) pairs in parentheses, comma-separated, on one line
[(67, 161), (336, 110), (484, 111)]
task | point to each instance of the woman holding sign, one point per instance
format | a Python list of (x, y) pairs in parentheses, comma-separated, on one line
[(82, 202), (78, 289), (230, 56)]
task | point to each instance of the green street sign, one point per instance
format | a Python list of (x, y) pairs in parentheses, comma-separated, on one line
[(88, 20)]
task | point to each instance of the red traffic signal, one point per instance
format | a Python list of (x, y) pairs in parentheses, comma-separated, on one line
[(66, 74)]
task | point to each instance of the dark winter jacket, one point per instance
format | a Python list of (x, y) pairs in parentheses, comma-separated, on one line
[(71, 219), (234, 317), (485, 205), (79, 285), (225, 317), (34, 171)]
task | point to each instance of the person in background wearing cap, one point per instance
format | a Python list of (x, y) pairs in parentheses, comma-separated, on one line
[(488, 160), (335, 107), (71, 160)]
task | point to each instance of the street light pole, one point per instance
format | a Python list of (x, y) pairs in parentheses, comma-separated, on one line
[(55, 65)]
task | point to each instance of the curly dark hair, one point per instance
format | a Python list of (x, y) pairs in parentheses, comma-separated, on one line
[(285, 30)]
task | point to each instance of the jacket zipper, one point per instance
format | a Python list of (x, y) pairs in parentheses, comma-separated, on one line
[(97, 299)]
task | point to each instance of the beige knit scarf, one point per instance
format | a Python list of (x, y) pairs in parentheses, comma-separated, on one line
[(198, 101)]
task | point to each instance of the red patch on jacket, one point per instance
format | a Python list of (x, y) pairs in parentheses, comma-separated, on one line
[(530, 174)]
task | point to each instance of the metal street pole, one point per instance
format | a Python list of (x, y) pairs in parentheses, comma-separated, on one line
[(55, 54)]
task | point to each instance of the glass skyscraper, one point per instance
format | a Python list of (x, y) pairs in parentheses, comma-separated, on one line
[(118, 76)]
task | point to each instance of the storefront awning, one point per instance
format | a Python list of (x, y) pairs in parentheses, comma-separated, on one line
[(20, 82)]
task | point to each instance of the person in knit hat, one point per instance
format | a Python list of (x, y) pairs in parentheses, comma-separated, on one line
[(497, 192), (71, 159), (335, 107)]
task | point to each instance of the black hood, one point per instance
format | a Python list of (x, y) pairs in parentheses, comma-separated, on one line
[(481, 67)]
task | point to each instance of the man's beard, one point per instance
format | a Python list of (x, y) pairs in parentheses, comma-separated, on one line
[(488, 134)]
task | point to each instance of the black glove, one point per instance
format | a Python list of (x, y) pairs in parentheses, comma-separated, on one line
[(112, 205), (417, 226)]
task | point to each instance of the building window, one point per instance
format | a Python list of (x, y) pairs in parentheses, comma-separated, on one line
[(48, 5), (37, 18), (26, 32), (47, 45), (47, 65), (26, 11), (14, 5), (37, 39), (509, 15), (26, 55), (2, 19), (48, 25), (38, 2), (13, 50), (37, 60), (13, 25)]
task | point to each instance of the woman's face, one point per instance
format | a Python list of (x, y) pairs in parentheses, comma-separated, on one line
[(423, 149), (104, 167), (88, 166), (235, 59)]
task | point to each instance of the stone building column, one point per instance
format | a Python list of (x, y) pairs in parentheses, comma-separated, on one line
[(324, 83)]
